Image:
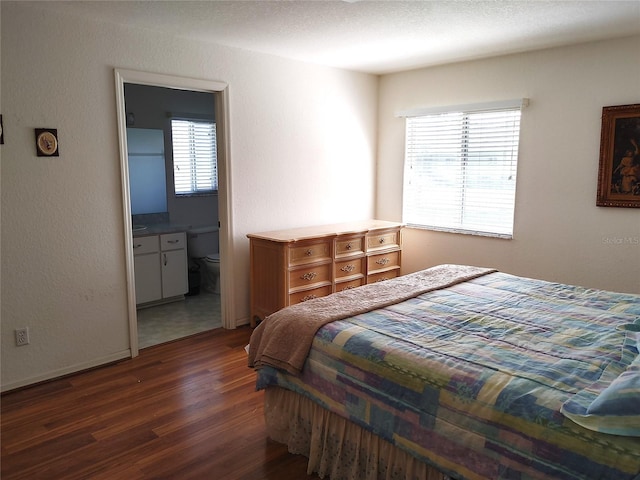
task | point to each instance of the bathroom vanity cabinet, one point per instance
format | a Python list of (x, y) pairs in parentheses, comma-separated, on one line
[(161, 269), (292, 266)]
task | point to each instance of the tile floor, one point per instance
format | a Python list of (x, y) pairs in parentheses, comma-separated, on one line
[(171, 321)]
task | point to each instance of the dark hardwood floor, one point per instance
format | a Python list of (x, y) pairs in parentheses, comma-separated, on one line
[(184, 410)]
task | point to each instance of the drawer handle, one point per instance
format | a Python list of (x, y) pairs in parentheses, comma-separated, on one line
[(348, 288), (383, 261), (137, 245), (349, 246), (308, 297), (309, 276), (382, 279), (165, 259), (381, 240), (309, 252), (348, 268), (173, 241)]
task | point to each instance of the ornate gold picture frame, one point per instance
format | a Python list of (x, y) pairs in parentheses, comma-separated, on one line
[(619, 173)]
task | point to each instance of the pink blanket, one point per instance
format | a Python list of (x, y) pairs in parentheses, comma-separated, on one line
[(283, 339)]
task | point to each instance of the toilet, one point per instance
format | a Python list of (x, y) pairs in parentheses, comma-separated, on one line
[(202, 248)]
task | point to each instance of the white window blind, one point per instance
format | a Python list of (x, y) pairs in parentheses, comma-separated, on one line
[(194, 157), (460, 171)]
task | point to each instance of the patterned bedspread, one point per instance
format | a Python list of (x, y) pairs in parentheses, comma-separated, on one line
[(472, 379)]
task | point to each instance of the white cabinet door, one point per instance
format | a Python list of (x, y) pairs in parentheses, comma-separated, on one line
[(160, 263), (175, 280), (147, 273)]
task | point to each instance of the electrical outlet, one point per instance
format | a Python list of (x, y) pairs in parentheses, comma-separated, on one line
[(22, 336)]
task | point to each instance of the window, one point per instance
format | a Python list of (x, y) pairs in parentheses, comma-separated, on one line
[(195, 168), (460, 170)]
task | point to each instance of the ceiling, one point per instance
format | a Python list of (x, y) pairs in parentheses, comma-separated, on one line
[(374, 36)]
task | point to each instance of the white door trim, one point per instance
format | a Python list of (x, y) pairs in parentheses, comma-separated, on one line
[(221, 90)]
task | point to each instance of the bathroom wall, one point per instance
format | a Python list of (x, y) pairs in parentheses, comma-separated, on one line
[(150, 107)]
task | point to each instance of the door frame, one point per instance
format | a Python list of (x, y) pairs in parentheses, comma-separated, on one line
[(221, 92)]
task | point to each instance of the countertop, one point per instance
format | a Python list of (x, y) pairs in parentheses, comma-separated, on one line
[(159, 229)]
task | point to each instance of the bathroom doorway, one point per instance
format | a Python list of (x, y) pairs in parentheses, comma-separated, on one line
[(150, 102)]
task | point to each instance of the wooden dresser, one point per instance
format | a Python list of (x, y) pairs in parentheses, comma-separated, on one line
[(295, 265)]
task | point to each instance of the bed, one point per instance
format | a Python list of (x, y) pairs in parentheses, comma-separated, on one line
[(456, 372)]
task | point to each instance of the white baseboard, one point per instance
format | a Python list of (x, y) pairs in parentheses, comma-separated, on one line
[(66, 371)]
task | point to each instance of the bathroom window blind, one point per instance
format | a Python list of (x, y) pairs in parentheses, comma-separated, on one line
[(194, 157), (460, 171)]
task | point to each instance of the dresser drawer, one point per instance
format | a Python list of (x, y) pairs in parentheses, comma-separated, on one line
[(349, 246), (309, 276), (349, 268), (383, 261), (305, 295), (309, 253), (382, 276), (145, 245), (173, 241), (342, 286), (383, 240)]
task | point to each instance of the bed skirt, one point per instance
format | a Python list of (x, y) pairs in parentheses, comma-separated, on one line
[(337, 448)]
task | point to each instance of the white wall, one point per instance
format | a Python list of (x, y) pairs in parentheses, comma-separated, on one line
[(302, 153), (560, 234), (303, 147), (149, 106)]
